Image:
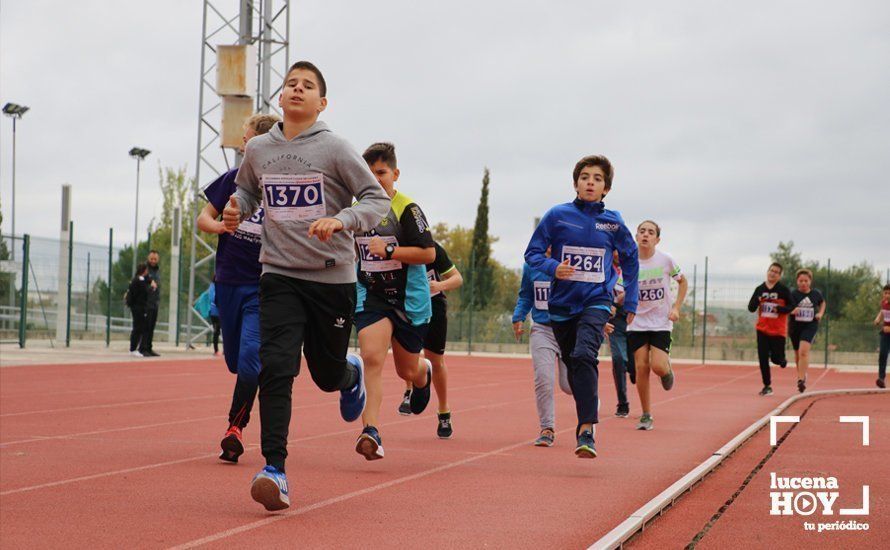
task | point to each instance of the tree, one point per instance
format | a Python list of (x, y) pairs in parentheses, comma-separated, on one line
[(789, 259), (481, 277)]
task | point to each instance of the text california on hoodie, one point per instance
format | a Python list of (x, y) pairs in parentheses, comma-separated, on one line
[(314, 175)]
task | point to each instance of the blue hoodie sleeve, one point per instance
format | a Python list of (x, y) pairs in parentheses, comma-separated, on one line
[(537, 247), (629, 258), (526, 296)]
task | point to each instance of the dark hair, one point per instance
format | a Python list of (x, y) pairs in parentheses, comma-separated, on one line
[(777, 264), (140, 268), (804, 271), (657, 227), (887, 286), (594, 160), (307, 66), (153, 251), (381, 151)]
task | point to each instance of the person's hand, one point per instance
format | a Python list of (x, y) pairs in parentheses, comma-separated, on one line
[(324, 228), (631, 317), (154, 285), (674, 315), (218, 227), (518, 329), (877, 322), (794, 311), (436, 286), (564, 270), (377, 247), (231, 215), (609, 328), (818, 316), (886, 329)]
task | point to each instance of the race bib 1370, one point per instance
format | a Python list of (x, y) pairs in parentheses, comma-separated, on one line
[(293, 198)]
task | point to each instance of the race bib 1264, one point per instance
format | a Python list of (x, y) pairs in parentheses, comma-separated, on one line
[(372, 263), (542, 294), (587, 261), (293, 198)]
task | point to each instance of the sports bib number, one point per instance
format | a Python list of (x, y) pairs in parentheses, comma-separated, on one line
[(293, 198), (431, 275), (886, 313), (376, 264), (254, 224), (542, 294), (651, 294), (587, 261), (805, 315), (769, 310)]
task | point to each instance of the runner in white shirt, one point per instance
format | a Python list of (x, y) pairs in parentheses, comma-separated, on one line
[(649, 335)]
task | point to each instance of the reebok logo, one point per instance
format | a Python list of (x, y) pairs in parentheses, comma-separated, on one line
[(339, 322), (607, 227)]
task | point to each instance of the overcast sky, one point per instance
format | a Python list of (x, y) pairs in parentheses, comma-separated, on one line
[(733, 124)]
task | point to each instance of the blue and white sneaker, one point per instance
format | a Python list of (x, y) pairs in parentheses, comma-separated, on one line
[(369, 444), (352, 401), (269, 488)]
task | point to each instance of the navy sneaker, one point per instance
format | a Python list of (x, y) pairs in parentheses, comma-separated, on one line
[(585, 447), (405, 405), (269, 488), (369, 444), (420, 397), (352, 401), (445, 430)]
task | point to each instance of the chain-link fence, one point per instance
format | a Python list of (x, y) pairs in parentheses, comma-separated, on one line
[(67, 306)]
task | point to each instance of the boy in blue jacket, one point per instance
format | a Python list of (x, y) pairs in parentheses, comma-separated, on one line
[(582, 235)]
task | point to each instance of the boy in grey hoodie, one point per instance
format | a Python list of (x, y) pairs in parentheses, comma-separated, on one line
[(305, 177)]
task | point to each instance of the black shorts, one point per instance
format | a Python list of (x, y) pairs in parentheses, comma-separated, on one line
[(438, 331), (407, 335), (660, 339), (802, 332)]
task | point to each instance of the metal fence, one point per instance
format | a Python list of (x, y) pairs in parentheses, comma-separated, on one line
[(70, 305)]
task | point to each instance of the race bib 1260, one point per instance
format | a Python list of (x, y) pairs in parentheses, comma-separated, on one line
[(587, 261), (652, 294), (293, 198), (805, 315), (542, 294), (372, 263)]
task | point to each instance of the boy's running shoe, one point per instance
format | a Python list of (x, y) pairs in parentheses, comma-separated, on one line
[(444, 431), (880, 383), (420, 397), (546, 438), (645, 422), (783, 364), (135, 353), (352, 401), (269, 488), (623, 410), (801, 386), (405, 405), (369, 444), (667, 381), (585, 447), (231, 445), (766, 391)]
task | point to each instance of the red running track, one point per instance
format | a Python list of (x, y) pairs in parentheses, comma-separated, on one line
[(123, 455)]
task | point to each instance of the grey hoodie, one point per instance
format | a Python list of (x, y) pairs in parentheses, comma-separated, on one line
[(314, 175)]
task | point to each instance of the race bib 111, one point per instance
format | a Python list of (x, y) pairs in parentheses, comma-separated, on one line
[(293, 198), (542, 294), (587, 261)]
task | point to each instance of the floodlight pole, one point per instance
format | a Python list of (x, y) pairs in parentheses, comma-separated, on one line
[(14, 111), (138, 154)]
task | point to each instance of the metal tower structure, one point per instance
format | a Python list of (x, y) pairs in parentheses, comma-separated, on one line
[(266, 25)]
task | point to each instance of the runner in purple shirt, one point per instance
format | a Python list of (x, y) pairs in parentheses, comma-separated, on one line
[(238, 272)]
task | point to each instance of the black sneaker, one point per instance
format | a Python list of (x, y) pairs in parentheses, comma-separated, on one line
[(667, 381), (783, 365), (766, 391), (405, 405), (151, 353), (801, 386), (623, 410), (444, 430), (420, 397), (632, 374), (585, 447), (369, 444), (880, 383)]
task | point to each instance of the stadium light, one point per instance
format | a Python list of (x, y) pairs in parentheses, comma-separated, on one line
[(14, 111), (139, 154)]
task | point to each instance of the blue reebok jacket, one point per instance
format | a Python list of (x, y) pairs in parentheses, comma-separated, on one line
[(585, 233)]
